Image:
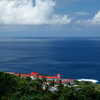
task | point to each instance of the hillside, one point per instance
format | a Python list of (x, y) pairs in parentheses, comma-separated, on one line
[(18, 88)]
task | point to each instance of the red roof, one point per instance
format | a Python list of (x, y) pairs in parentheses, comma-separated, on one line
[(52, 77), (37, 75), (40, 76), (23, 75), (34, 73)]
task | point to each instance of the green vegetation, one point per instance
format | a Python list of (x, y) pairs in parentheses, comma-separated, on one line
[(18, 88)]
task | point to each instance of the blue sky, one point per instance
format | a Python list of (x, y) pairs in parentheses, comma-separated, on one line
[(50, 18), (79, 5)]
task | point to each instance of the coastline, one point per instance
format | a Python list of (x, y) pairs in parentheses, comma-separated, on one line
[(16, 86), (36, 75)]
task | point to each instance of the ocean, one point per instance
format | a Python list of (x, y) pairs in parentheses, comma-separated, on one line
[(71, 57)]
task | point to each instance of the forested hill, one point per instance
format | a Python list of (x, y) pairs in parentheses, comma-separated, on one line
[(18, 88)]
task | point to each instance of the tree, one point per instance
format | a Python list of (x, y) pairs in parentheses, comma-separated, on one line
[(8, 84)]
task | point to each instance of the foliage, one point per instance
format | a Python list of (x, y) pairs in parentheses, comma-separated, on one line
[(18, 88)]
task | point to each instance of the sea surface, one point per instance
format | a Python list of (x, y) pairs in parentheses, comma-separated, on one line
[(71, 57)]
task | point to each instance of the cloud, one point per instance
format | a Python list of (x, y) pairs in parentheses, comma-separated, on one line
[(96, 18), (27, 12)]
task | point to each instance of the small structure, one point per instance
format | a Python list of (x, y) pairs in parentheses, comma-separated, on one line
[(50, 79), (53, 89)]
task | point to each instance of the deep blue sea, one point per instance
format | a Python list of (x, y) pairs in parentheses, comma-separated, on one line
[(72, 57)]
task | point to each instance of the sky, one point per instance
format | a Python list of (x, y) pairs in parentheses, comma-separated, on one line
[(49, 18)]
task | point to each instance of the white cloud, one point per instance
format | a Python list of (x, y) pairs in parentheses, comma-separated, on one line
[(25, 12), (96, 18)]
